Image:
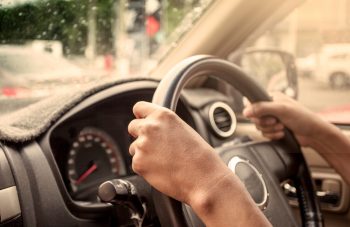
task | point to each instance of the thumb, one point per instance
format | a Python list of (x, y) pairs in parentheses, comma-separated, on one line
[(261, 109), (142, 109)]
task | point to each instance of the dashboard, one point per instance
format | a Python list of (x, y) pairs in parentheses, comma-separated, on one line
[(92, 146), (58, 174), (55, 177)]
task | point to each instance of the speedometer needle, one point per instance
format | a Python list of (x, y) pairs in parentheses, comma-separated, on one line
[(86, 174)]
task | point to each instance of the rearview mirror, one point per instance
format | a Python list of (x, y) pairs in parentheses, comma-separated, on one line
[(275, 70)]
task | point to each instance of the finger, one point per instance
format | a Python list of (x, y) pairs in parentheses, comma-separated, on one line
[(132, 149), (271, 129), (274, 135), (134, 127), (140, 145), (137, 164), (261, 109), (264, 121), (143, 109)]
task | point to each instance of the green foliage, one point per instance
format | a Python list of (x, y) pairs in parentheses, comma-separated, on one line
[(175, 13), (105, 20), (66, 21)]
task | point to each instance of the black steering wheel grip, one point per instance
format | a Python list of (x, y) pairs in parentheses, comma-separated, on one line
[(167, 94)]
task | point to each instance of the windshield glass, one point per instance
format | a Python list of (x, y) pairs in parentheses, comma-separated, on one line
[(47, 40)]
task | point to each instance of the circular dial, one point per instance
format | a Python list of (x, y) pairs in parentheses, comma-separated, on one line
[(93, 158)]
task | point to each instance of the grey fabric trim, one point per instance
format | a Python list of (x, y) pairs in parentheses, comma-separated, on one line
[(30, 122)]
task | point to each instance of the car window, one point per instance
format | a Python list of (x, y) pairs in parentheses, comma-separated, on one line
[(67, 42), (317, 34)]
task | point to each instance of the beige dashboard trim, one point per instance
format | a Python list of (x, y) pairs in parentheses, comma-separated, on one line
[(9, 204)]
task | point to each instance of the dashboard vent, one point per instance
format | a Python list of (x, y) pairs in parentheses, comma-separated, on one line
[(222, 119)]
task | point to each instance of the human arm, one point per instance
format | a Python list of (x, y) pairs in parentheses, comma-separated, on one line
[(309, 128), (168, 153)]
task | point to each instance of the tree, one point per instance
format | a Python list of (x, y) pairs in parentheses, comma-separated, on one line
[(65, 21)]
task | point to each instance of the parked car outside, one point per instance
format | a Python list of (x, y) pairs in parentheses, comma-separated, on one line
[(334, 65), (306, 66)]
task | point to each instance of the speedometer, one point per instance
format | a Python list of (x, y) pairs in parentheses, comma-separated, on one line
[(93, 158)]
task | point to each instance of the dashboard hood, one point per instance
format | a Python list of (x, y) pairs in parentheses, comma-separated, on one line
[(29, 122)]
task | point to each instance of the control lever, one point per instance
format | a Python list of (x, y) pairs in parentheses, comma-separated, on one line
[(327, 197), (123, 192)]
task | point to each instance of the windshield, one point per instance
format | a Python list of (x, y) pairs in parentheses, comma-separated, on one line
[(89, 38)]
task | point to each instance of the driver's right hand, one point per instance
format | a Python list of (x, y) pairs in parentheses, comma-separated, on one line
[(171, 156)]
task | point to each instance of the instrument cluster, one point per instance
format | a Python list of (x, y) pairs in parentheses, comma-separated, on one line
[(92, 145), (93, 157)]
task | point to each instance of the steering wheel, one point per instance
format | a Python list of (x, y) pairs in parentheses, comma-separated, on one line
[(262, 166)]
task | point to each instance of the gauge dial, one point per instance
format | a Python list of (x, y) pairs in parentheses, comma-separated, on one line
[(93, 158)]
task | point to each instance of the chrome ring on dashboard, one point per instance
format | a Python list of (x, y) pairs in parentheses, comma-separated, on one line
[(233, 163)]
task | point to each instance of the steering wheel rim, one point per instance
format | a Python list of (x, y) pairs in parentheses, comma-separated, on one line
[(167, 95)]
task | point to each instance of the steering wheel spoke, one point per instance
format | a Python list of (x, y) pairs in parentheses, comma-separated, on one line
[(261, 170)]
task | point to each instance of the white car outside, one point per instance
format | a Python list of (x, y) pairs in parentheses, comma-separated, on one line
[(334, 65)]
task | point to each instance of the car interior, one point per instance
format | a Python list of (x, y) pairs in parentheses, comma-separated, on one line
[(64, 159)]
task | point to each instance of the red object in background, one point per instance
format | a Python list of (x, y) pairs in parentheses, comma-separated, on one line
[(9, 92), (337, 115), (152, 26), (108, 62), (15, 92)]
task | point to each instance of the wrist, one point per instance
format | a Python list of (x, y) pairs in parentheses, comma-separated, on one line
[(227, 194), (203, 200), (207, 201), (323, 133), (328, 138)]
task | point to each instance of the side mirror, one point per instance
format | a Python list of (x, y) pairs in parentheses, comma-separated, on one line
[(274, 69)]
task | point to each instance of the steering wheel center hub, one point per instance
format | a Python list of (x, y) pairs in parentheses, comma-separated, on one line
[(252, 180)]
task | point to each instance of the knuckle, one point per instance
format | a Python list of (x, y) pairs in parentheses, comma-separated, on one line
[(257, 109), (150, 128), (165, 114), (132, 149), (131, 126), (142, 144), (137, 165)]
